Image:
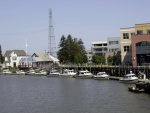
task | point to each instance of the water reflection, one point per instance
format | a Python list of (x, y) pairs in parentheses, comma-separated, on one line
[(33, 94)]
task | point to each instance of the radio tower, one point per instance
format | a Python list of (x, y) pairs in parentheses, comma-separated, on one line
[(51, 37)]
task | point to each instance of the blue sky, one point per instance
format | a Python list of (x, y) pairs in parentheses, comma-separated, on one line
[(90, 20)]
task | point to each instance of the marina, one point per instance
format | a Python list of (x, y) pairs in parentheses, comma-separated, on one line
[(41, 94)]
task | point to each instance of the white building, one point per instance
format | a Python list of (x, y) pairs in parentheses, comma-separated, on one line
[(99, 48), (13, 57)]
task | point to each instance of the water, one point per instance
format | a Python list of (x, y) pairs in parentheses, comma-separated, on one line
[(36, 94)]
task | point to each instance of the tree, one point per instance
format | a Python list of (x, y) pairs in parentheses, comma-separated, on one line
[(98, 59), (71, 49), (110, 59), (1, 56), (94, 59)]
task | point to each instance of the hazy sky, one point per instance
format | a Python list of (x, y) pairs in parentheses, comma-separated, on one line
[(90, 20)]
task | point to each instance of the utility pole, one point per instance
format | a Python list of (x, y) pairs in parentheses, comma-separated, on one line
[(51, 37)]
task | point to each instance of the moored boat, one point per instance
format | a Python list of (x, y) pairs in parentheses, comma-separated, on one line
[(31, 72), (140, 87), (68, 73), (101, 76), (129, 78), (53, 73), (84, 74), (7, 72), (42, 72), (20, 72)]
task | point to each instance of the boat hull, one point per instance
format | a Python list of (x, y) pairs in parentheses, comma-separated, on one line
[(100, 78), (84, 76), (136, 90), (53, 75), (67, 75), (132, 81)]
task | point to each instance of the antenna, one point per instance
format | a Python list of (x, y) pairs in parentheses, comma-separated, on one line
[(51, 37)]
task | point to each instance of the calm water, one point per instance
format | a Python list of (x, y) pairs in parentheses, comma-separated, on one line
[(35, 94)]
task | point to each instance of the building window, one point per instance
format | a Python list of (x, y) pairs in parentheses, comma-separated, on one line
[(132, 34), (104, 44), (113, 42), (139, 32), (126, 48), (125, 35), (148, 31)]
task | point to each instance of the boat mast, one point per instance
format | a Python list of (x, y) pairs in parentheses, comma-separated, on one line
[(26, 50)]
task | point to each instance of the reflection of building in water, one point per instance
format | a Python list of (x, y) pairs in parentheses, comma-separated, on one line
[(135, 44)]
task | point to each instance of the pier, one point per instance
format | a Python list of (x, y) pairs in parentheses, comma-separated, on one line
[(116, 71)]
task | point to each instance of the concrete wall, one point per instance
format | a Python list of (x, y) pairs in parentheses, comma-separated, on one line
[(126, 57)]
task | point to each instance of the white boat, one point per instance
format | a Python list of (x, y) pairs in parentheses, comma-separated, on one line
[(31, 72), (20, 72), (101, 75), (42, 72), (84, 74), (53, 73), (129, 78), (68, 73), (7, 72)]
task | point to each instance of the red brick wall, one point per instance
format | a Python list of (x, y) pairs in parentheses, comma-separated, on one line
[(137, 39)]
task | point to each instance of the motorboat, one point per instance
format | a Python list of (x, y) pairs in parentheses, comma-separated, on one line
[(68, 73), (31, 72), (42, 72), (129, 78), (101, 76), (84, 74), (20, 72), (7, 72), (140, 87), (53, 73)]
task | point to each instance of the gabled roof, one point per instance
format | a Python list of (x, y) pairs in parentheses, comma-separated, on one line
[(41, 57), (53, 58), (18, 52)]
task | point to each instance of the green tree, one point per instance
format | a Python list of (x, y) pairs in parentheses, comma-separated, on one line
[(110, 60), (98, 59), (1, 55), (114, 59), (71, 50), (94, 59)]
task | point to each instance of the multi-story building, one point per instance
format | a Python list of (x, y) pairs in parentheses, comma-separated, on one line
[(135, 44), (113, 44), (141, 45), (125, 42), (99, 48), (13, 57), (113, 49)]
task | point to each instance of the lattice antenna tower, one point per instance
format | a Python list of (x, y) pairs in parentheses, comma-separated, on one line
[(51, 37)]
